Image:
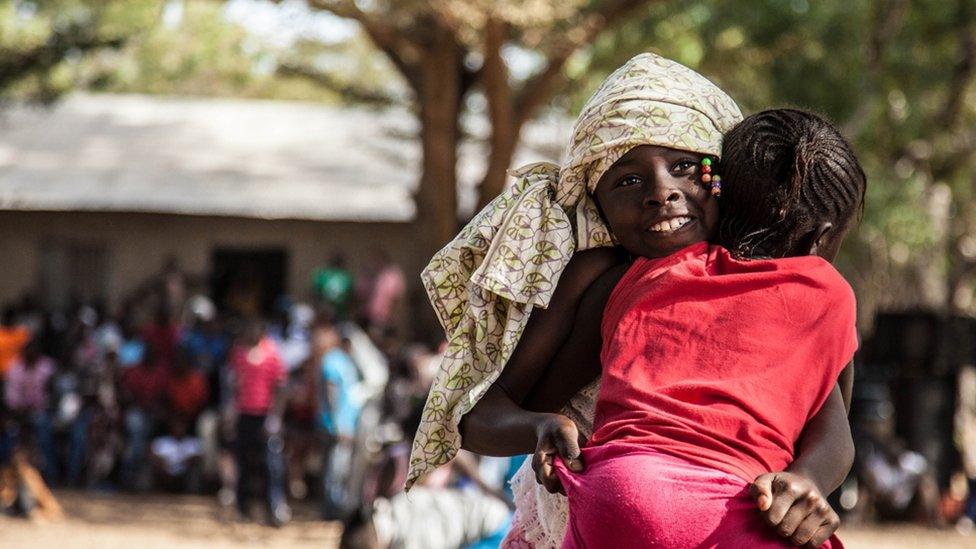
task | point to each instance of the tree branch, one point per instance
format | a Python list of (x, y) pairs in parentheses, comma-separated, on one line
[(962, 74), (402, 52), (330, 82), (494, 75), (501, 111), (15, 65), (888, 19), (950, 118), (538, 88)]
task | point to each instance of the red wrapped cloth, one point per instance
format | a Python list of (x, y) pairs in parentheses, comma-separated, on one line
[(709, 364)]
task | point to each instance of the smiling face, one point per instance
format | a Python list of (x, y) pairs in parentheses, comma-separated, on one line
[(654, 201)]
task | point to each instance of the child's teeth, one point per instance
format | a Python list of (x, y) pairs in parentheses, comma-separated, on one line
[(670, 224)]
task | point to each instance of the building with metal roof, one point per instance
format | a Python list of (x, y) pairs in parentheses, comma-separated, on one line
[(97, 191)]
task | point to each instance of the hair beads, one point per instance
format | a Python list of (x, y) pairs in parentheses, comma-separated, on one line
[(713, 181)]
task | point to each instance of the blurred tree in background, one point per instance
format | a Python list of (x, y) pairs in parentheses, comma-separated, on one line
[(444, 49), (896, 75), (41, 41), (175, 47)]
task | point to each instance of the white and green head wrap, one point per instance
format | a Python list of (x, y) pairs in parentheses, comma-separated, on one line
[(508, 259)]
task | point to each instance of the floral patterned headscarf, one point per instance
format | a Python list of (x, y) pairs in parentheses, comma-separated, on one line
[(507, 260)]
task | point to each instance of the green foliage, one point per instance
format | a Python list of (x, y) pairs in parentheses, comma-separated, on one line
[(200, 54), (43, 42), (48, 48), (891, 88), (820, 56)]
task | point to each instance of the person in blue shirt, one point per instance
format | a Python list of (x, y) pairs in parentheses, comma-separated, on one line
[(339, 416)]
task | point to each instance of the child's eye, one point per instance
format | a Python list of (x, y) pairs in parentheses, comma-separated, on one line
[(630, 180), (683, 166)]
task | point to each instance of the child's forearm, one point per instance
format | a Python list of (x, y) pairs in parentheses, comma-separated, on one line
[(559, 353), (497, 426), (825, 451), (846, 384)]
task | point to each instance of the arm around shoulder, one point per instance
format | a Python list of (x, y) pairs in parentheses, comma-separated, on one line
[(549, 329), (499, 424)]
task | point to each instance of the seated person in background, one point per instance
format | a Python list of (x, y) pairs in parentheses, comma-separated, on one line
[(175, 459), (453, 507), (186, 389)]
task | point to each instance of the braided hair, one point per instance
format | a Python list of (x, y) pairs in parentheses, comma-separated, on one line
[(784, 172)]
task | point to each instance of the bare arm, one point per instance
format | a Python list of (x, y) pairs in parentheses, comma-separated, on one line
[(498, 425), (825, 451), (793, 502), (577, 363), (846, 383)]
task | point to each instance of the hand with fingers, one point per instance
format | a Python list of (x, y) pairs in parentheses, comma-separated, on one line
[(558, 436), (793, 506)]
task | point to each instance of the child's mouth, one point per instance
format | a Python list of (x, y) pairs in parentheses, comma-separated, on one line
[(670, 225)]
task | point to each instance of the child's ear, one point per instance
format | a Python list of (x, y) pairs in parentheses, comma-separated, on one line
[(817, 238)]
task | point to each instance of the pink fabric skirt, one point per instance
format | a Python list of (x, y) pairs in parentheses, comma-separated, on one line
[(636, 497)]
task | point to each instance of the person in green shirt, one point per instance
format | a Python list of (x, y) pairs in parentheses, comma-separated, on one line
[(333, 285)]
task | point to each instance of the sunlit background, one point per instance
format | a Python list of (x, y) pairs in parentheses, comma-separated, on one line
[(219, 160)]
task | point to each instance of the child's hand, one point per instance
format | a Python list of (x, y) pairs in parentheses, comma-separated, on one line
[(795, 508), (558, 435)]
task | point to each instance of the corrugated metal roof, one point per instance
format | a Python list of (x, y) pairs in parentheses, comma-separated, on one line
[(229, 157)]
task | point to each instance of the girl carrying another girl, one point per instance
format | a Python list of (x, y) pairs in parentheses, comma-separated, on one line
[(647, 129), (702, 396)]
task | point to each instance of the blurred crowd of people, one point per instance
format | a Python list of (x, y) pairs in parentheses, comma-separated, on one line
[(314, 402)]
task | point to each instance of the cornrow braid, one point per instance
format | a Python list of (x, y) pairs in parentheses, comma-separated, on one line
[(783, 172)]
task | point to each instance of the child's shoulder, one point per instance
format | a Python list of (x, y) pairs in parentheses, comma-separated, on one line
[(824, 275), (585, 268), (596, 261), (807, 279), (818, 284), (810, 269)]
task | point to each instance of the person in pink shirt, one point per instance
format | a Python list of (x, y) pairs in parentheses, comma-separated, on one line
[(27, 395), (26, 390), (380, 287), (259, 381), (387, 293)]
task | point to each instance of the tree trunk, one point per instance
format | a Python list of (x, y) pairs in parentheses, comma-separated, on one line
[(499, 160), (439, 100), (505, 126), (439, 97)]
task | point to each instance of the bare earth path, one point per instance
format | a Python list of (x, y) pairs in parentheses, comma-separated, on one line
[(112, 521), (149, 522)]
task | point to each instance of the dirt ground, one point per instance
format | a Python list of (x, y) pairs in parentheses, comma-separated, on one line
[(150, 522)]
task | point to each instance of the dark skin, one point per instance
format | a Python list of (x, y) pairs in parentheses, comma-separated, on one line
[(559, 352)]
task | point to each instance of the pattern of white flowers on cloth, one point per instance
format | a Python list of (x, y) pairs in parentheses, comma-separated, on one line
[(508, 259)]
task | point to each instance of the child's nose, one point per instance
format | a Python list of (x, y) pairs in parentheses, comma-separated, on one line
[(659, 195)]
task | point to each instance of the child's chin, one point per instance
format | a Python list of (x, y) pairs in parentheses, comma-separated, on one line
[(664, 245)]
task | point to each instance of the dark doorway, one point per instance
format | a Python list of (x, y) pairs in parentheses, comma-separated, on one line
[(248, 281), (73, 273)]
